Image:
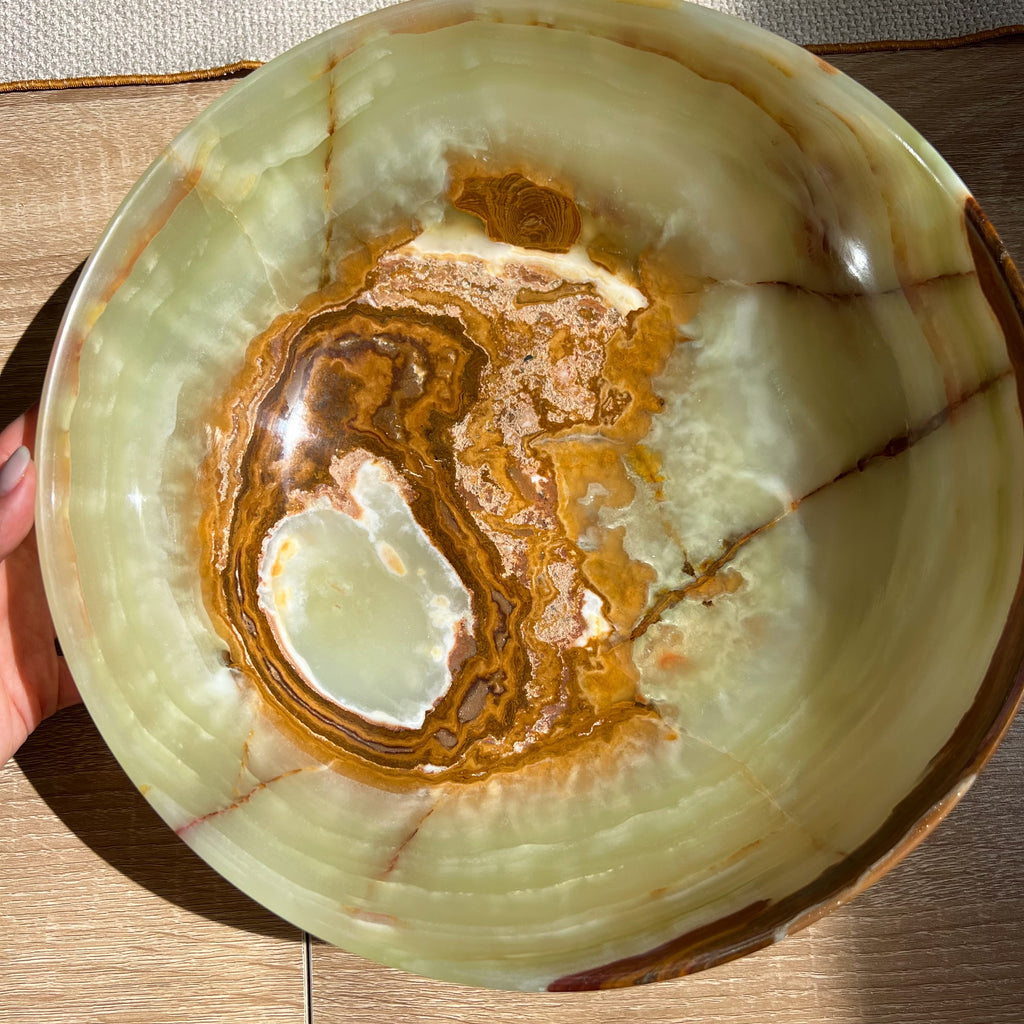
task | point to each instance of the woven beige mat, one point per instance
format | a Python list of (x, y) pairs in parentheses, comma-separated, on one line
[(73, 39)]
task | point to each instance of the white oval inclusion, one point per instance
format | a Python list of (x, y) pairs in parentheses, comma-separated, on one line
[(365, 607)]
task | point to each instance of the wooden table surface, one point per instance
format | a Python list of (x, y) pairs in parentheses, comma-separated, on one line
[(105, 916)]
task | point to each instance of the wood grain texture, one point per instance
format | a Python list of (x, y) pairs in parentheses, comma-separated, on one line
[(106, 916)]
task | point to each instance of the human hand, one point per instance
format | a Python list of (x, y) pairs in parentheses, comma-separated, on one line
[(34, 678)]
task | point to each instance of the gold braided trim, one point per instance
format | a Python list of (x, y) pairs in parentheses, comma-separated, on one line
[(241, 68)]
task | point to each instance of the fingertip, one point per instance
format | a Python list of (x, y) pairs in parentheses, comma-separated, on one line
[(13, 470), (17, 499)]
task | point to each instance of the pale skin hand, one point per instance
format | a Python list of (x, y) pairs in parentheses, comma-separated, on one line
[(34, 679)]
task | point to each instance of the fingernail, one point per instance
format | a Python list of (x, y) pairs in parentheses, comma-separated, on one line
[(13, 470)]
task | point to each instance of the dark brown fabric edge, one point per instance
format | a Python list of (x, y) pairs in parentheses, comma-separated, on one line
[(897, 45)]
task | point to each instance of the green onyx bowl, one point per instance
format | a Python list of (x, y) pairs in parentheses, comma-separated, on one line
[(532, 493)]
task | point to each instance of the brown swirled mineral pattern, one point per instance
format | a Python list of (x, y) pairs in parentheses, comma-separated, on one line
[(520, 212), (497, 401)]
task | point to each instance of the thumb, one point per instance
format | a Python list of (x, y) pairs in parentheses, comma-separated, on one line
[(17, 493)]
